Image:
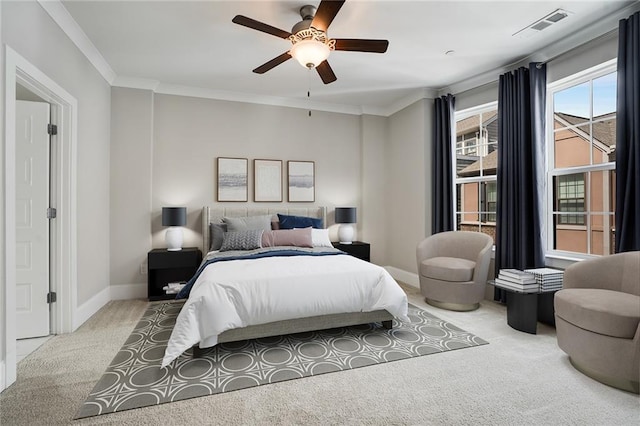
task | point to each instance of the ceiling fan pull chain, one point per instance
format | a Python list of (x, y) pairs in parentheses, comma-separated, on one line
[(309, 90)]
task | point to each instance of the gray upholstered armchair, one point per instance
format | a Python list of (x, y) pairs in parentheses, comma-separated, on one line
[(453, 268), (598, 318)]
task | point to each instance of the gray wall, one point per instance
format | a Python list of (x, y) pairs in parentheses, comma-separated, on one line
[(586, 56), (164, 151), (380, 165), (408, 191), (130, 189), (190, 133), (28, 30), (373, 214)]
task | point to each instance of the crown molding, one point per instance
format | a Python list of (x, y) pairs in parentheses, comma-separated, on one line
[(603, 28), (197, 92), (399, 105), (65, 21), (223, 95), (136, 83)]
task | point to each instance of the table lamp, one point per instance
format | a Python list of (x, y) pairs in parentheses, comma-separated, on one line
[(174, 218), (346, 217)]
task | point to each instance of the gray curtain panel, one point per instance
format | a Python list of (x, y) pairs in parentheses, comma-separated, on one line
[(442, 173), (628, 136), (521, 120)]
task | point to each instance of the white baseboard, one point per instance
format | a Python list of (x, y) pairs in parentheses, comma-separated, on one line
[(114, 292), (404, 276), (2, 382), (90, 307), (129, 291)]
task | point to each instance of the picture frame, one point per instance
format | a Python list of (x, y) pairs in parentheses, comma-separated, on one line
[(301, 181), (232, 184), (267, 180)]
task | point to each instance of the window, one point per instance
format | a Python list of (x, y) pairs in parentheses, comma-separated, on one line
[(476, 166), (570, 198), (581, 175), (491, 200)]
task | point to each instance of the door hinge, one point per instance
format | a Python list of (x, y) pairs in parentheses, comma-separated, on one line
[(51, 297), (52, 129), (51, 213)]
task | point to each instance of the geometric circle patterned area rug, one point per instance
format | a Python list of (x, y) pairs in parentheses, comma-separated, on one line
[(134, 379)]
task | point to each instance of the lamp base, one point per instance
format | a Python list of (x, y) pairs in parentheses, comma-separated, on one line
[(174, 238), (345, 233)]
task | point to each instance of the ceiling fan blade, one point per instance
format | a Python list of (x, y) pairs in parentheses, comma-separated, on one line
[(260, 26), (327, 10), (326, 73), (272, 63), (361, 45)]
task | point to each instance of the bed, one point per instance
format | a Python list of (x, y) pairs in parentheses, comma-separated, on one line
[(278, 289)]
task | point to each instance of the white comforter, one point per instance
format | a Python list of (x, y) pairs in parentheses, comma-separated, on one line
[(239, 293)]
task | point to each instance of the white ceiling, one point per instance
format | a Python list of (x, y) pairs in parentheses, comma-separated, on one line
[(195, 45)]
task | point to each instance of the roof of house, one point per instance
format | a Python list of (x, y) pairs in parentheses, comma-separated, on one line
[(604, 126), (489, 165), (472, 123), (604, 130)]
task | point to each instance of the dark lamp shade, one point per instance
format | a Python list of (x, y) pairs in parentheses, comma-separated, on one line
[(345, 215), (174, 216)]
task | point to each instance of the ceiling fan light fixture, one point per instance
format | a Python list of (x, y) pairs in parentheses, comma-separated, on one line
[(310, 53)]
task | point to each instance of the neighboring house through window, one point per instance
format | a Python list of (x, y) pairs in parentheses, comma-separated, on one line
[(580, 181), (570, 198), (476, 167), (581, 166)]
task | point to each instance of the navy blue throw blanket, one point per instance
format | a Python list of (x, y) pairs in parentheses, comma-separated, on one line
[(186, 290)]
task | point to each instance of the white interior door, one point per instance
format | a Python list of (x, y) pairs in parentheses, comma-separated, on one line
[(32, 225)]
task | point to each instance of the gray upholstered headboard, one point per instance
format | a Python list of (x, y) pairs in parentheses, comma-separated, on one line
[(215, 214)]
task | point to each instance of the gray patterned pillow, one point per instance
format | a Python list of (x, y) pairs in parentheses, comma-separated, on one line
[(216, 235), (242, 240)]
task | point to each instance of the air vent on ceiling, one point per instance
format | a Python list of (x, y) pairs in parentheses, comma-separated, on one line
[(542, 24)]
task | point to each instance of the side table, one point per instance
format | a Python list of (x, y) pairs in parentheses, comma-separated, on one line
[(170, 266), (358, 249), (525, 310)]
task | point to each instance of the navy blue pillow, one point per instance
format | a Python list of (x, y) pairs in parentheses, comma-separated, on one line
[(290, 222)]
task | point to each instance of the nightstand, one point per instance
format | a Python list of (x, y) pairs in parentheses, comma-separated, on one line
[(356, 249), (170, 266)]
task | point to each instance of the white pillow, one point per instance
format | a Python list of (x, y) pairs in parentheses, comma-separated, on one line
[(320, 237)]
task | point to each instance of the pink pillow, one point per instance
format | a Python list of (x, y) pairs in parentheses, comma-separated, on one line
[(287, 237)]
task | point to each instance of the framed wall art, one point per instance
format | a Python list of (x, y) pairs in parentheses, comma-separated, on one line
[(267, 180), (232, 179), (301, 181)]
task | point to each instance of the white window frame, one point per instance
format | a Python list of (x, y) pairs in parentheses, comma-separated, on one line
[(461, 115), (551, 172)]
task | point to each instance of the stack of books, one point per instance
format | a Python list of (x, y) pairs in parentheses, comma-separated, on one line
[(517, 280), (174, 288), (548, 279)]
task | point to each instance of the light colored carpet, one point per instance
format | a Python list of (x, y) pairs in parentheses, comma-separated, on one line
[(134, 379), (518, 379)]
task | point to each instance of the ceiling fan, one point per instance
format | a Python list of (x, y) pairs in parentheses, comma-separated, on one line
[(311, 45)]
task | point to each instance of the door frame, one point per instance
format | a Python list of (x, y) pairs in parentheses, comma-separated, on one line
[(63, 241)]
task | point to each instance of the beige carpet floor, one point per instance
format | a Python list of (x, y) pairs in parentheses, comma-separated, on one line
[(518, 379)]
